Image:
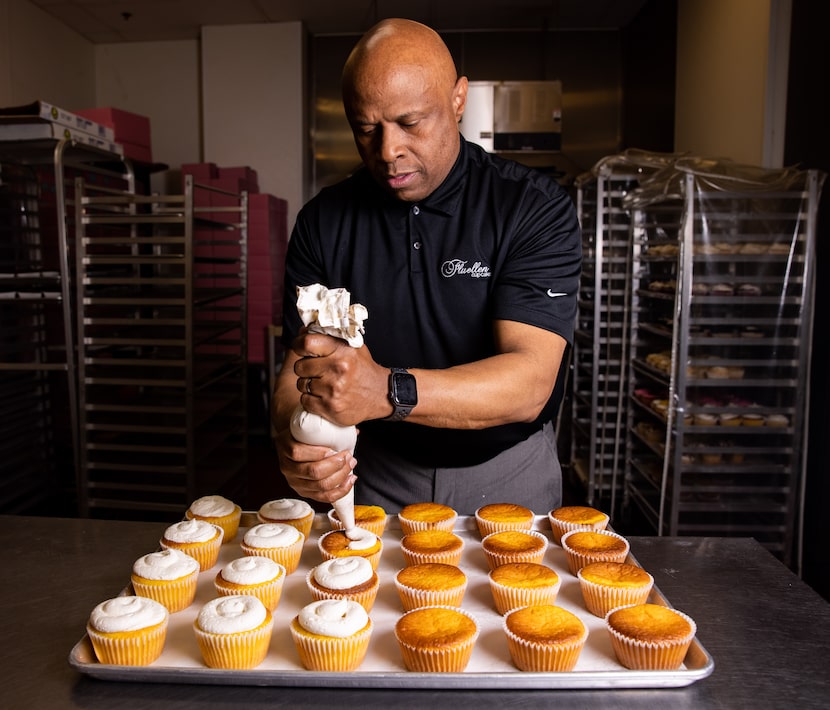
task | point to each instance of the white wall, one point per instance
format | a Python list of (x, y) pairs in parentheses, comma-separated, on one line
[(159, 80), (254, 104), (722, 79), (41, 58)]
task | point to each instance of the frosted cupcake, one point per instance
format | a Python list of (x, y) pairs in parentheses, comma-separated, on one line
[(168, 576), (426, 516), (607, 585), (349, 578), (290, 511), (278, 541), (128, 631), (369, 517), (219, 511), (494, 517), (331, 635), (257, 576), (582, 547), (514, 546), (233, 632), (575, 517), (545, 638), (197, 538), (520, 584), (650, 636), (362, 543), (430, 584), (432, 546), (436, 639)]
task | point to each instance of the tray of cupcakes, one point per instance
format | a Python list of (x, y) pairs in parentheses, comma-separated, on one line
[(425, 598)]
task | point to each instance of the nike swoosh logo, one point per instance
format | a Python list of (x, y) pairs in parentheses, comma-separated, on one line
[(554, 294)]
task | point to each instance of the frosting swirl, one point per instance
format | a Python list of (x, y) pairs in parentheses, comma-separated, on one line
[(285, 509), (212, 507), (166, 564), (333, 617), (192, 531), (361, 539), (343, 572), (251, 570), (128, 613), (228, 615), (271, 535)]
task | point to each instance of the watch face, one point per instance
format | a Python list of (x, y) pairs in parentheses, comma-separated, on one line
[(404, 390)]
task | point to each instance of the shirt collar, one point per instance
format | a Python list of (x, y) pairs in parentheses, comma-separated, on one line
[(447, 196)]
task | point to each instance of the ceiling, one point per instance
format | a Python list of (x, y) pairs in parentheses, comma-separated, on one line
[(113, 21)]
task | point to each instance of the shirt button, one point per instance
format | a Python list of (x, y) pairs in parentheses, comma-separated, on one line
[(416, 245), (416, 210)]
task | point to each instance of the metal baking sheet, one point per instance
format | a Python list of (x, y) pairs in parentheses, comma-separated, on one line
[(490, 665)]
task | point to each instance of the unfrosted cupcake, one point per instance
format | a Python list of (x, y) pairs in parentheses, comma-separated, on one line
[(432, 546), (544, 638), (519, 584), (426, 516), (331, 635), (430, 584), (650, 636), (582, 547), (369, 517), (290, 511), (436, 639), (233, 632), (607, 585), (514, 546), (362, 543), (575, 517), (197, 538), (128, 630), (278, 541), (168, 576), (255, 575), (219, 511), (349, 578), (494, 517)]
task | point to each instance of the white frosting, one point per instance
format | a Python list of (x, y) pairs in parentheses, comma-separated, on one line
[(212, 507), (166, 564), (361, 539), (328, 311), (251, 569), (192, 531), (127, 614), (285, 509), (230, 615), (333, 617), (271, 535), (315, 430), (343, 572)]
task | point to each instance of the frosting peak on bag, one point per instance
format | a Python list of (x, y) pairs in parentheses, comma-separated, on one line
[(328, 311)]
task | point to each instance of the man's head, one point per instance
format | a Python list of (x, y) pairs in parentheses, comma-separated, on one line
[(403, 100)]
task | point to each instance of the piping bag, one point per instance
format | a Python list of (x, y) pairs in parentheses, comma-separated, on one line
[(328, 311)]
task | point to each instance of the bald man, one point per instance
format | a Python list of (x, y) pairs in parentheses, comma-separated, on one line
[(468, 265)]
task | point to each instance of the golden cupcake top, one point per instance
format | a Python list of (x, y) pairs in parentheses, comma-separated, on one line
[(365, 514), (431, 576), (524, 574), (336, 542), (435, 627), (432, 541), (594, 542), (545, 624), (650, 622), (505, 513), (616, 574), (509, 542), (427, 512), (580, 514)]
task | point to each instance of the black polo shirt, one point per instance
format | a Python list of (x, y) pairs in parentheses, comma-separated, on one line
[(496, 240)]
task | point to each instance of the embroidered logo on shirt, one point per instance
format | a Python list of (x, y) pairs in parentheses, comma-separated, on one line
[(459, 267), (556, 294)]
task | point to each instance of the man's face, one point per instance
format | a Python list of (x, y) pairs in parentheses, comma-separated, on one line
[(405, 126)]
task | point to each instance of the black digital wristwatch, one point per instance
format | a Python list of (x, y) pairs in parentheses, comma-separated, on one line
[(403, 393)]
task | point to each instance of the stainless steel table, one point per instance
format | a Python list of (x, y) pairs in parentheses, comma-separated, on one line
[(768, 632)]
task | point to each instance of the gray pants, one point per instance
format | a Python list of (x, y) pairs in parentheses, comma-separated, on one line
[(527, 474)]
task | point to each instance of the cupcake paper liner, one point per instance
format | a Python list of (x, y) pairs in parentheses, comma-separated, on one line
[(485, 527), (246, 649), (269, 593), (452, 659), (544, 658), (495, 559), (408, 525), (324, 653), (560, 527), (175, 594), (601, 598), (205, 553), (508, 598), (228, 523), (413, 598), (288, 556), (138, 648), (416, 558), (650, 655)]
